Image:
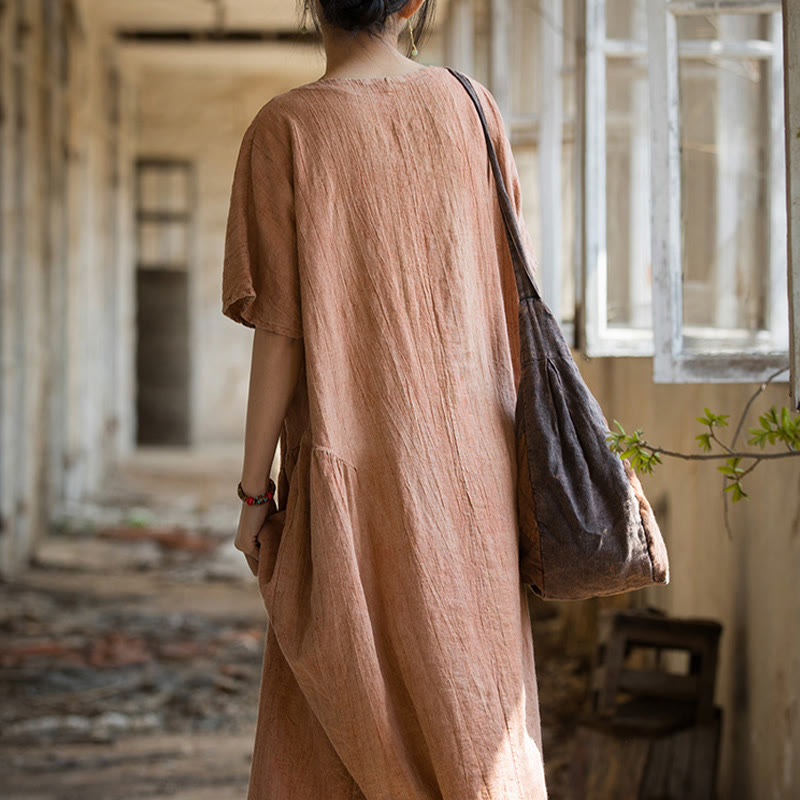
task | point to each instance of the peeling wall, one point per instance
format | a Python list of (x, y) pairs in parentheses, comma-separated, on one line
[(63, 302)]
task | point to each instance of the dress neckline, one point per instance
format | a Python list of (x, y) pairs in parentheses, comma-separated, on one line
[(376, 80)]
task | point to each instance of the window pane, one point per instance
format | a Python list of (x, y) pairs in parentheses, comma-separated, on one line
[(535, 83), (725, 136), (700, 27), (629, 291), (568, 161), (621, 21), (163, 244), (527, 165), (164, 189)]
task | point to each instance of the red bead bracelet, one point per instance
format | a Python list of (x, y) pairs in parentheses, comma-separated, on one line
[(261, 499)]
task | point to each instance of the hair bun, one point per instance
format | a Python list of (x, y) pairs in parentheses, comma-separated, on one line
[(352, 15)]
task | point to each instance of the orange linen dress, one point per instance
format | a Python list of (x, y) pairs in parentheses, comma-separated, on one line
[(399, 661)]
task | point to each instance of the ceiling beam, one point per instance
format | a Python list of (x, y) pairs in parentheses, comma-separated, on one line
[(214, 36)]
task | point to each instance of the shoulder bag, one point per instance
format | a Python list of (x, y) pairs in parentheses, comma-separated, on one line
[(586, 528)]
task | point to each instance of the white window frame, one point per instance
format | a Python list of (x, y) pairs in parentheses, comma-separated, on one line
[(549, 138), (597, 338), (547, 130), (791, 54), (709, 354)]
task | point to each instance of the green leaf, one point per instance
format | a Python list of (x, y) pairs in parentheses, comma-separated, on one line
[(759, 437), (739, 493), (731, 466), (711, 419), (703, 441)]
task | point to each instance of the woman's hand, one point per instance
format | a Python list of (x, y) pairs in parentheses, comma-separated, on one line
[(251, 519)]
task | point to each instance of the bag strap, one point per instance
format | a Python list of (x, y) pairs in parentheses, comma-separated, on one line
[(522, 269)]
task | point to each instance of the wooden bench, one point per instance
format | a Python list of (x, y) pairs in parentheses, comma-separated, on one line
[(648, 733)]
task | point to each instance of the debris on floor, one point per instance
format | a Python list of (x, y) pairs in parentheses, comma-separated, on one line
[(130, 660)]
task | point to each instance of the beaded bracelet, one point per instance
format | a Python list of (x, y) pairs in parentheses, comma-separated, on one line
[(261, 499)]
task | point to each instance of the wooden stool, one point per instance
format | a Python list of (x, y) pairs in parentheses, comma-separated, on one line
[(648, 734)]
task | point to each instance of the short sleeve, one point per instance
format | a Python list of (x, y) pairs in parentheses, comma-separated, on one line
[(260, 280)]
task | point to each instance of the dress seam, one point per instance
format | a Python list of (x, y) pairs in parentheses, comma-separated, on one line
[(330, 452)]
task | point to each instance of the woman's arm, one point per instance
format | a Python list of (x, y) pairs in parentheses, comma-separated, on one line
[(274, 370)]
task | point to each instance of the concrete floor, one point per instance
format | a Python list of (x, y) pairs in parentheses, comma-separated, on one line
[(130, 651)]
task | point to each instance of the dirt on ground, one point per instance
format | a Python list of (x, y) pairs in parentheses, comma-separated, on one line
[(130, 660)]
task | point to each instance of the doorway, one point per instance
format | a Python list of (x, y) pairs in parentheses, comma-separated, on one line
[(165, 210)]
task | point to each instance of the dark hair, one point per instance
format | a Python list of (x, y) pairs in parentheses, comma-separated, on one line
[(369, 16)]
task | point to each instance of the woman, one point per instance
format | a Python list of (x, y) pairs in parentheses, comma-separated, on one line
[(365, 245)]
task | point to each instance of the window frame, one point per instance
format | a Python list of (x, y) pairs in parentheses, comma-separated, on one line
[(596, 337), (546, 130), (722, 359), (791, 51)]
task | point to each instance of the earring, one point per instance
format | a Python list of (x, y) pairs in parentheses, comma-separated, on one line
[(303, 27), (414, 50)]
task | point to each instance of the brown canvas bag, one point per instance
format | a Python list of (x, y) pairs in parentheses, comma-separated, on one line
[(586, 528)]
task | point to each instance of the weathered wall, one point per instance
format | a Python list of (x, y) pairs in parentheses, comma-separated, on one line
[(60, 262), (748, 582), (23, 360)]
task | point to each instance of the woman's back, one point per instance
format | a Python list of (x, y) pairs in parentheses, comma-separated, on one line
[(364, 218)]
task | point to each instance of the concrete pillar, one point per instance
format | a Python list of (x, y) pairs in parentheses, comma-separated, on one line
[(500, 57), (459, 42), (58, 267)]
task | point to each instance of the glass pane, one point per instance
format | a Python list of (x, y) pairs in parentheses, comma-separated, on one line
[(629, 295), (569, 163), (527, 165), (724, 117), (623, 20), (526, 24), (531, 24), (163, 244), (569, 84), (164, 189), (568, 167), (730, 27)]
